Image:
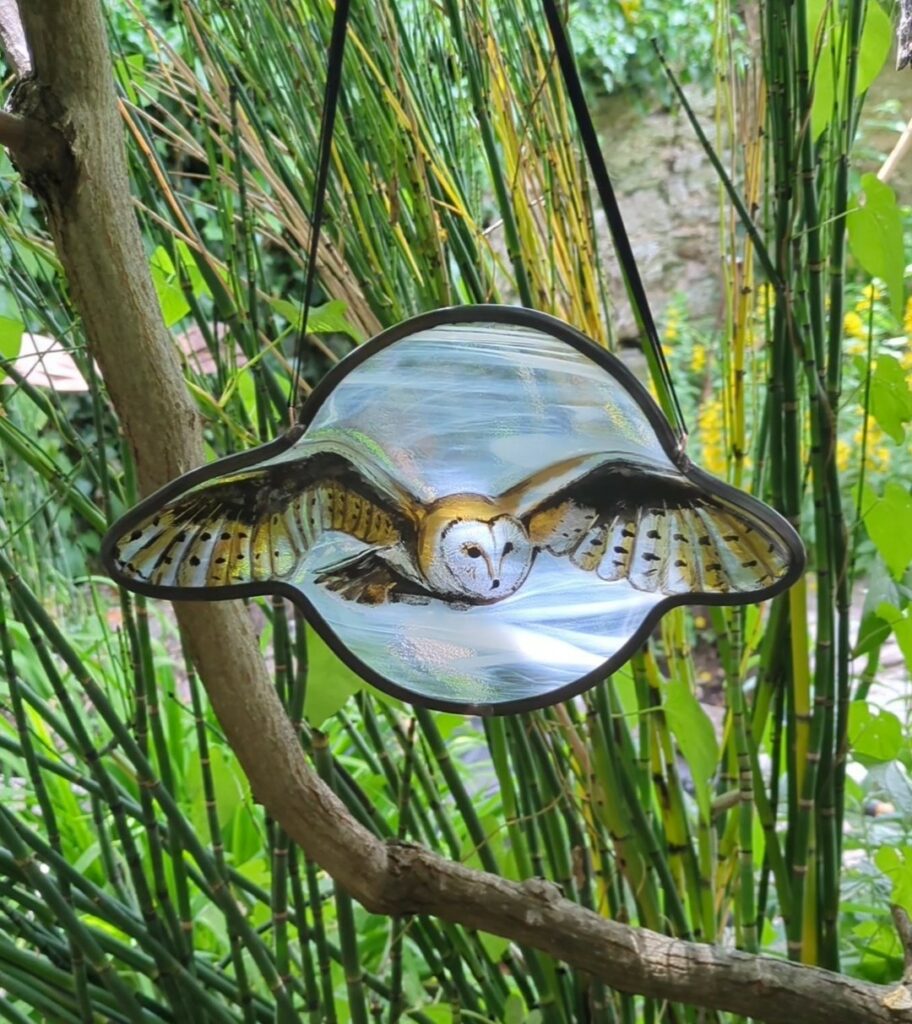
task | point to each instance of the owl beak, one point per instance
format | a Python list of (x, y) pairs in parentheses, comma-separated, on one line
[(495, 584)]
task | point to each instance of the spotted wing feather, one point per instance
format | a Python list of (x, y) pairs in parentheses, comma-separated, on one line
[(660, 532), (257, 525)]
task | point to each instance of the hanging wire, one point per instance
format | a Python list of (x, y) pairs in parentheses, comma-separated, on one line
[(635, 289), (655, 355), (324, 150)]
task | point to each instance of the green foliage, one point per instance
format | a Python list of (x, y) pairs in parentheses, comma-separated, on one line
[(874, 735), (876, 236), (891, 397), (613, 41), (10, 339), (695, 737), (882, 514), (130, 839), (826, 49), (332, 682)]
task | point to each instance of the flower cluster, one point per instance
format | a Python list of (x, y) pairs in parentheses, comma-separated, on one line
[(868, 324)]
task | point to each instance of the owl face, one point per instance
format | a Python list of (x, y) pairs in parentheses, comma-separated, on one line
[(483, 560)]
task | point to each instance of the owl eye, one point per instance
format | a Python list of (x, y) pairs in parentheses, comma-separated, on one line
[(472, 550), (508, 547)]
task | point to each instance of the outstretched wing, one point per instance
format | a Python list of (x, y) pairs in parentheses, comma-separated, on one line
[(257, 525), (662, 532)]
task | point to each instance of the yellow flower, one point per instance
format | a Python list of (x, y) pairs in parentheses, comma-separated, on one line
[(879, 458), (907, 317), (856, 347), (630, 9), (672, 332), (710, 423), (854, 326), (843, 455), (698, 358), (878, 455), (870, 294)]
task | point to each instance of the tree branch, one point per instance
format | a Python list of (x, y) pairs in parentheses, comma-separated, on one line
[(897, 153), (37, 150), (903, 925), (98, 240), (12, 39), (904, 35)]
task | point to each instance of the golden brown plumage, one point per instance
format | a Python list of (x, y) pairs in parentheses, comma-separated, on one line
[(659, 531)]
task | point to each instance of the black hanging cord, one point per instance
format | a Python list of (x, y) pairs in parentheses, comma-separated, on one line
[(324, 150), (602, 181), (599, 173)]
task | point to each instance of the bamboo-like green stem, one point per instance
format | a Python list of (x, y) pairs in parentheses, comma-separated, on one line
[(354, 980), (215, 839)]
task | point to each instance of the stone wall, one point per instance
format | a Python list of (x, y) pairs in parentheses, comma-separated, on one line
[(668, 194)]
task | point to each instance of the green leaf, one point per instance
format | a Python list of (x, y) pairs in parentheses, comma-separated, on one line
[(901, 624), (823, 65), (10, 339), (896, 864), (827, 57), (247, 843), (625, 688), (696, 738), (329, 681), (246, 391), (891, 397), (130, 75), (439, 1013), (229, 794), (882, 515), (514, 1010), (174, 305), (495, 946), (874, 736), (876, 237), (872, 633), (191, 268), (326, 319), (876, 40), (447, 724)]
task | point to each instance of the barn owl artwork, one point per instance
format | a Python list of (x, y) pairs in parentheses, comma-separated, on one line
[(480, 511)]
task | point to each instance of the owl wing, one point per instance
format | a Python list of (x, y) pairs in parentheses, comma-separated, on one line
[(661, 531), (256, 525)]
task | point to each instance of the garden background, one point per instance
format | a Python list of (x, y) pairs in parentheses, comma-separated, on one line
[(743, 782)]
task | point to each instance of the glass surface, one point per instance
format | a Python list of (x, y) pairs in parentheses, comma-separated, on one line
[(483, 514), (481, 408)]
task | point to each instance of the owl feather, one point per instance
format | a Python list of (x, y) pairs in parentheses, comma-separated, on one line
[(655, 529), (659, 531), (258, 525)]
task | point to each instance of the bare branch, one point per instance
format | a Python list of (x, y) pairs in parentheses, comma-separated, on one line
[(12, 39), (903, 926), (904, 35), (903, 144), (99, 244)]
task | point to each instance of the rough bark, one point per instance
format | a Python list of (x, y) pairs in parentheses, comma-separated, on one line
[(12, 39), (904, 35), (94, 228)]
